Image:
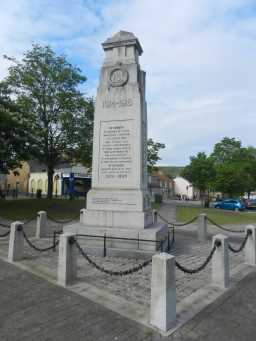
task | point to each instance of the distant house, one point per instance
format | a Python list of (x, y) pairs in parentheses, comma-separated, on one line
[(184, 189), (67, 180), (2, 180), (160, 183), (32, 176), (17, 180)]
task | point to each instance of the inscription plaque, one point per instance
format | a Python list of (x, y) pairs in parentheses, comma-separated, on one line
[(116, 153)]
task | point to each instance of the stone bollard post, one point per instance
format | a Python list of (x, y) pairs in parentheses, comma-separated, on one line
[(82, 214), (154, 216), (16, 242), (250, 246), (220, 262), (41, 225), (67, 263), (163, 292), (202, 227)]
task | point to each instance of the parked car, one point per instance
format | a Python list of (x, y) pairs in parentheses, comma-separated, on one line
[(250, 204), (230, 204)]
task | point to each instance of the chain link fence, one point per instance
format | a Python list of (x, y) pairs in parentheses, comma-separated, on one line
[(222, 227), (107, 271), (191, 221), (33, 246), (241, 247), (63, 221), (5, 234), (200, 267)]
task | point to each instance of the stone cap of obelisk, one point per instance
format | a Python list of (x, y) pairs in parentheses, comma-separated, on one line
[(122, 38)]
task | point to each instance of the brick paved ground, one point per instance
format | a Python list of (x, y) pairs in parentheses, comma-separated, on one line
[(133, 288), (32, 309)]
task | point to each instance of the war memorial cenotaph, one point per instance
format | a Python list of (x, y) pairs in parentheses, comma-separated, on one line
[(118, 205)]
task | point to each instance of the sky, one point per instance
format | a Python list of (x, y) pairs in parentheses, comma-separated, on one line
[(199, 56)]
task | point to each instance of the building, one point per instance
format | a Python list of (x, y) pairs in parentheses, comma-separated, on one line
[(184, 189), (32, 176), (162, 184), (67, 180), (17, 180)]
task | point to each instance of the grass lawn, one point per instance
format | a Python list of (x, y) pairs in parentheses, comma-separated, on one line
[(28, 208), (155, 205), (57, 208), (184, 213)]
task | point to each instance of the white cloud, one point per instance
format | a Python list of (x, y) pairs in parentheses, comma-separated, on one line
[(199, 56)]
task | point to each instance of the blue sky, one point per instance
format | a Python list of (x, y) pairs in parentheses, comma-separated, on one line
[(199, 56)]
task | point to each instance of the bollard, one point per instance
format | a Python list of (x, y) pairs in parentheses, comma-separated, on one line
[(82, 215), (16, 242), (163, 292), (67, 263), (154, 216), (41, 224), (250, 246), (220, 262), (202, 227)]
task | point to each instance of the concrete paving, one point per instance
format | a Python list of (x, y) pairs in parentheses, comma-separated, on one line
[(33, 309)]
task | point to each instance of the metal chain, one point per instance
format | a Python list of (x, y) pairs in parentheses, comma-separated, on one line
[(37, 248), (5, 234), (24, 223), (28, 221), (63, 221), (4, 225), (110, 272), (224, 228), (200, 268), (177, 224), (241, 247)]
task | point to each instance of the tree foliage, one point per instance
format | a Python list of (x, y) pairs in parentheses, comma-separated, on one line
[(14, 133), (230, 169), (81, 150), (227, 150), (235, 166), (200, 172), (153, 149), (46, 88)]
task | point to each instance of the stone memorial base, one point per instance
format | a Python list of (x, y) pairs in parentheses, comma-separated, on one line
[(145, 241)]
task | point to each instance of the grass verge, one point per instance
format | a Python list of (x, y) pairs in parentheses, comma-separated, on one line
[(28, 208), (185, 213)]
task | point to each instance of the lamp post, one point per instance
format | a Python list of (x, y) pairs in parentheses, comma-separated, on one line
[(56, 178)]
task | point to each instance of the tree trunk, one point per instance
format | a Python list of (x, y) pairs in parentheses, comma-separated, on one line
[(50, 173)]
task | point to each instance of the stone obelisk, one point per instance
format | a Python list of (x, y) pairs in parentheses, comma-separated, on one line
[(118, 203)]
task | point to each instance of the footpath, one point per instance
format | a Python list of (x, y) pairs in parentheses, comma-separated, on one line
[(33, 309)]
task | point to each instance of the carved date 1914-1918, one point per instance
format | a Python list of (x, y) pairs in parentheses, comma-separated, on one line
[(126, 102)]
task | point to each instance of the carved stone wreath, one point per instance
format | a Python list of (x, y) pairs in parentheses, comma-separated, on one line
[(118, 77)]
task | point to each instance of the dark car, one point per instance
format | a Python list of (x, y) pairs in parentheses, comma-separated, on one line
[(230, 204), (250, 204)]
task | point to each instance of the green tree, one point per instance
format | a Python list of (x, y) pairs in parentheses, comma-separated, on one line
[(15, 135), (81, 150), (227, 150), (201, 173), (46, 87), (153, 149), (235, 167), (230, 179)]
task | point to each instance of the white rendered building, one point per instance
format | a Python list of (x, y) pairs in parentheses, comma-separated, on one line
[(184, 188)]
